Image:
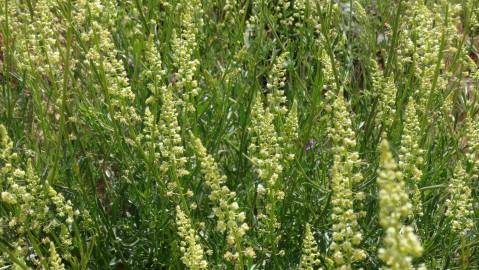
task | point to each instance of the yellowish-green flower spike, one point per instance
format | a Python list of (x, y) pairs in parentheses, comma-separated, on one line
[(54, 261), (459, 203), (8, 12), (452, 35), (267, 160), (129, 18), (346, 235), (299, 12), (150, 136), (343, 138), (385, 91), (154, 71), (154, 74), (36, 208), (423, 23), (310, 253), (400, 243), (103, 56), (9, 192), (446, 111), (171, 147), (276, 83), (265, 144), (405, 49), (184, 47), (42, 53), (282, 12), (473, 71), (411, 155), (453, 48), (426, 53), (329, 82), (232, 9), (314, 20), (472, 146), (377, 82), (329, 87), (290, 133), (226, 209), (193, 255)]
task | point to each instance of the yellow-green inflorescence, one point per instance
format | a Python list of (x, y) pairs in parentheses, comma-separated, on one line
[(454, 49), (162, 141), (346, 232), (231, 9), (344, 174), (430, 55), (400, 243), (184, 47), (309, 253), (164, 148), (225, 207), (54, 261), (282, 12), (252, 25), (385, 91), (171, 147), (32, 209), (265, 147), (193, 254), (459, 203), (411, 155), (329, 81), (277, 106), (266, 156), (300, 12), (265, 143), (154, 72), (102, 55), (427, 50), (474, 11), (37, 49), (471, 130), (343, 138), (35, 37), (8, 21), (40, 48), (289, 133), (276, 84)]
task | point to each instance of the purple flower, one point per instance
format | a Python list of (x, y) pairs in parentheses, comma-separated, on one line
[(311, 144)]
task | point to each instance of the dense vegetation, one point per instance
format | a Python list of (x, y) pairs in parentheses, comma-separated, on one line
[(264, 134)]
